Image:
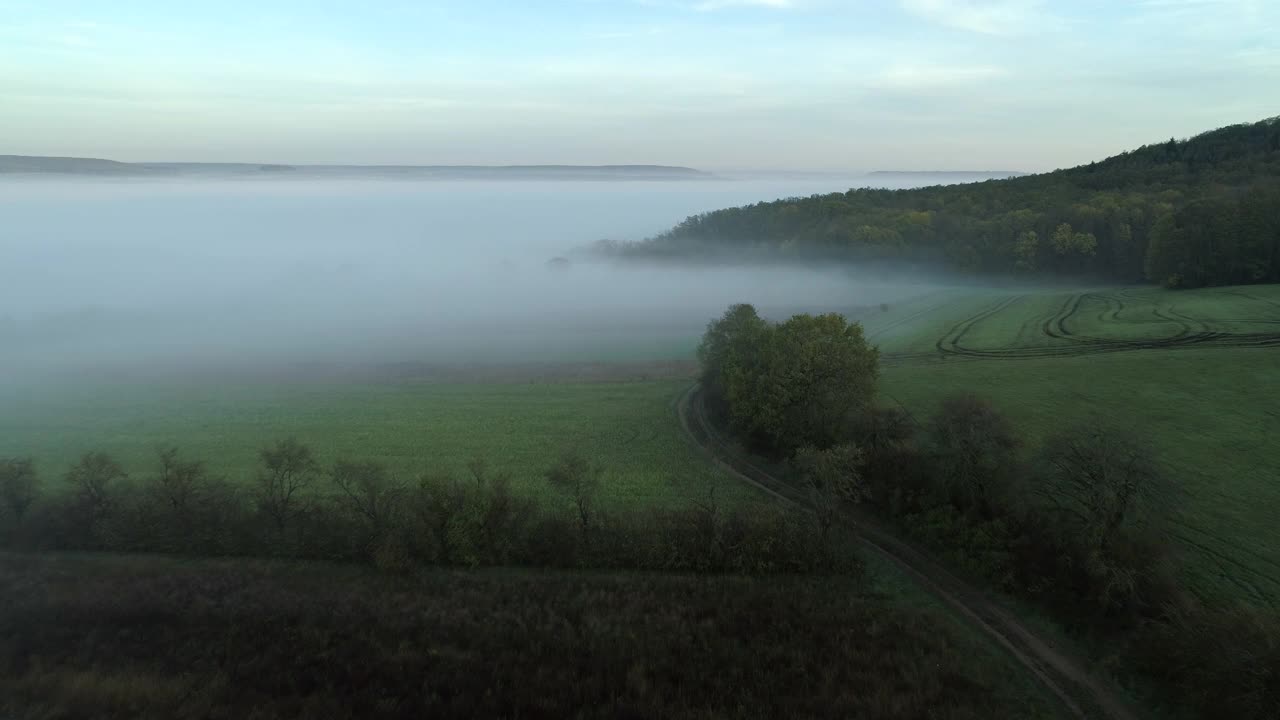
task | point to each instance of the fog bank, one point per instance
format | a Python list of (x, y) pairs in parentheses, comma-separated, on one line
[(100, 275)]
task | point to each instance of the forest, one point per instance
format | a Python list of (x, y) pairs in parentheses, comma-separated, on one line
[(1190, 213)]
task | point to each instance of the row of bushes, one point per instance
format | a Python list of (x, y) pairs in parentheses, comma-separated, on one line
[(1077, 526), (359, 511)]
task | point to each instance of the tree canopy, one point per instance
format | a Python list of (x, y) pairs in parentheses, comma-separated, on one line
[(789, 384)]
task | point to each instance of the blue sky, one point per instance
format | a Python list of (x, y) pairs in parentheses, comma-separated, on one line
[(719, 84)]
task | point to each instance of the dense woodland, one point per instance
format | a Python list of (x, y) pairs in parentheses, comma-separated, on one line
[(1203, 211)]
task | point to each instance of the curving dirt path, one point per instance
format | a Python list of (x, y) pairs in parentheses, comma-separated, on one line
[(1062, 675)]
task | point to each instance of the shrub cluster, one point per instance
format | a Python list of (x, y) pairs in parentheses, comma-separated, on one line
[(1077, 528), (1215, 662), (360, 512)]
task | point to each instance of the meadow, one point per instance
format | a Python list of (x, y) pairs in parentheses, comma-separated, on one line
[(517, 425)]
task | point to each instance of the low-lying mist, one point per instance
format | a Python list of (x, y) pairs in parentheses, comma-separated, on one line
[(167, 276)]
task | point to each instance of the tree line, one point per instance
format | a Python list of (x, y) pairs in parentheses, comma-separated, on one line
[(360, 511), (1075, 525), (1190, 213)]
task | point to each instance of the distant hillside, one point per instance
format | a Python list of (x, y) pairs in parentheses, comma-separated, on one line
[(947, 176), (88, 166), (1201, 211), (92, 166)]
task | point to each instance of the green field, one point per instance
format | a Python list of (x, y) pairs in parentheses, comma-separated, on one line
[(518, 427), (1195, 372)]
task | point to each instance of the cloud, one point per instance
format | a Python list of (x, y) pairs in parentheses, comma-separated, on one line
[(920, 76), (1191, 4), (1197, 16), (989, 17), (73, 40), (722, 4), (709, 5), (621, 33)]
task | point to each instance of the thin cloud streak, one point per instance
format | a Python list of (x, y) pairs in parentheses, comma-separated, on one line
[(988, 17)]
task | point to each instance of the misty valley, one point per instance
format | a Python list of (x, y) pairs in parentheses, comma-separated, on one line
[(350, 439), (205, 274)]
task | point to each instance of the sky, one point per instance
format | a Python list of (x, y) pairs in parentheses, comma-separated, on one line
[(716, 84)]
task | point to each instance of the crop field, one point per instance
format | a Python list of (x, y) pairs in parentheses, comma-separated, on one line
[(1012, 325), (413, 426), (1196, 373)]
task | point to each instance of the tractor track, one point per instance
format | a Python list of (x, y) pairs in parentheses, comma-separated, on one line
[(1056, 326), (1254, 581), (950, 340), (1255, 298), (1097, 347), (1244, 577), (1234, 546), (1064, 677), (902, 321), (1191, 332)]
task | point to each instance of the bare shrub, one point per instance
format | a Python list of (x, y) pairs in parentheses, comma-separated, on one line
[(288, 468), (1102, 487), (93, 479), (1100, 480), (181, 483), (498, 513), (832, 477), (975, 449), (574, 474), (439, 502), (368, 490), (17, 485)]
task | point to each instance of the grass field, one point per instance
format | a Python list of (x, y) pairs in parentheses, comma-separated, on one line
[(519, 427), (1195, 372)]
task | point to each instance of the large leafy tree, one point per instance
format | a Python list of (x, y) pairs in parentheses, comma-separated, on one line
[(1104, 487), (974, 449), (790, 384), (729, 347)]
